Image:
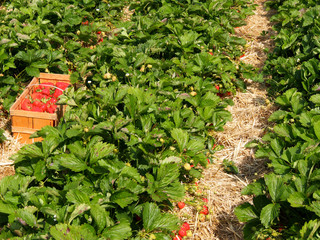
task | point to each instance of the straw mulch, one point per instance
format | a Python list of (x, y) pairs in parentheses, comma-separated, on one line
[(250, 121), (7, 149)]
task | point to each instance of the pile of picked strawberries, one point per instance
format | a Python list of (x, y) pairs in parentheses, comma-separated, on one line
[(44, 97)]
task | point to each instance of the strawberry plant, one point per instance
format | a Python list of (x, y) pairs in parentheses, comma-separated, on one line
[(230, 167)]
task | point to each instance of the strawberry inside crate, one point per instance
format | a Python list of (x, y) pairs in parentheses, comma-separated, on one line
[(43, 97)]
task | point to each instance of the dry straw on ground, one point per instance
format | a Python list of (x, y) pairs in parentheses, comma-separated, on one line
[(7, 149)]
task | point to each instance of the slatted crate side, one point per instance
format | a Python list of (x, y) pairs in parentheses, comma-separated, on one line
[(23, 126), (48, 77), (25, 137)]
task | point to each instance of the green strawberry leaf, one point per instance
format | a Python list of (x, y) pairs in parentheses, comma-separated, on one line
[(245, 212), (269, 213), (123, 198), (120, 231)]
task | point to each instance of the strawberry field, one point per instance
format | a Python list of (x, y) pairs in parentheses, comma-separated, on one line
[(150, 87)]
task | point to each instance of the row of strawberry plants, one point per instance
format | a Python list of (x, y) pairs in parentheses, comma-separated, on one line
[(34, 36), (54, 38), (286, 203), (151, 93)]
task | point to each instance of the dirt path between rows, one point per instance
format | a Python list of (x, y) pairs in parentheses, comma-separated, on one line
[(250, 119)]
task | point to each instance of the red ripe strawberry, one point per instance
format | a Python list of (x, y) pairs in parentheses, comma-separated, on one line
[(57, 93), (176, 238), (182, 233), (181, 205), (85, 23), (52, 101), (100, 40), (38, 88), (62, 85), (217, 87), (46, 98), (37, 103), (36, 109), (229, 93), (242, 56), (208, 160), (99, 32), (185, 226), (50, 86), (205, 199), (52, 108), (26, 105), (43, 107), (205, 210), (211, 53), (47, 85), (36, 96), (47, 105), (46, 91)]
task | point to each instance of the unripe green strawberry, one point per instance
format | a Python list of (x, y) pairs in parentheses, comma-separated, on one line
[(142, 69), (107, 75), (187, 166), (152, 236), (202, 217), (193, 93)]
